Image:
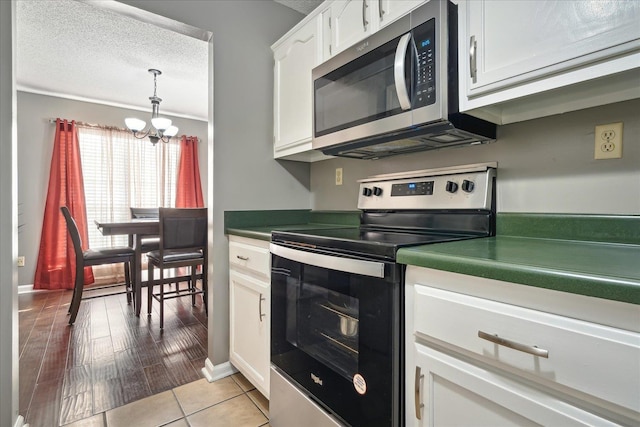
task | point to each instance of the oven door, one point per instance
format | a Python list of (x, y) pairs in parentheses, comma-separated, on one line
[(336, 332)]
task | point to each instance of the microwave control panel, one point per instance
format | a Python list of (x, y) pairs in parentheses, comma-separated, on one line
[(424, 37)]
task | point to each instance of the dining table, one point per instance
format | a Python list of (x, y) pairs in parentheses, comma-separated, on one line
[(136, 229)]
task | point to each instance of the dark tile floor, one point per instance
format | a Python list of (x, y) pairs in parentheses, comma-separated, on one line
[(107, 359)]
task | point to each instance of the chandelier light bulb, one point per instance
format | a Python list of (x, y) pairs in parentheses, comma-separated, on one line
[(135, 125), (161, 123), (171, 131)]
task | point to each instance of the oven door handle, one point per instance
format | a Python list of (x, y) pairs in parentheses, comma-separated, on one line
[(349, 265)]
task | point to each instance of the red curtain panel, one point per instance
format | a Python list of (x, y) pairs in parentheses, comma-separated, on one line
[(56, 258), (189, 187)]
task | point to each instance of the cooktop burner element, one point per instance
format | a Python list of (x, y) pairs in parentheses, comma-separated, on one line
[(408, 209)]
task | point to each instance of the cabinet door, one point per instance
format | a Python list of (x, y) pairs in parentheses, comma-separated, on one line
[(351, 21), (516, 41), (450, 391), (390, 10), (293, 94), (250, 303)]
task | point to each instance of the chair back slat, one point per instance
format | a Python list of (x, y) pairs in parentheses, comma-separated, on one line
[(182, 228)]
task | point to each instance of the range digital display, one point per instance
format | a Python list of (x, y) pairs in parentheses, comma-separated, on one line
[(422, 188)]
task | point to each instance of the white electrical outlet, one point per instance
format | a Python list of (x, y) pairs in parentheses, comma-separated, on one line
[(338, 176), (608, 141), (20, 261)]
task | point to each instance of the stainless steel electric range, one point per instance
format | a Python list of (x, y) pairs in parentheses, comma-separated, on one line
[(337, 298)]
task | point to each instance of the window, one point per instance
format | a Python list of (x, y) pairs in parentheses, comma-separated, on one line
[(121, 171)]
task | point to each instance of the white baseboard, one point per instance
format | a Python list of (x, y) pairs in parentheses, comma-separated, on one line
[(221, 370), (25, 289)]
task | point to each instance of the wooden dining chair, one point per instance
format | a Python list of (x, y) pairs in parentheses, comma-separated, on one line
[(183, 243), (147, 243), (150, 243), (96, 256)]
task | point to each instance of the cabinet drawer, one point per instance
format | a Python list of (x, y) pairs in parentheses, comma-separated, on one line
[(250, 257), (598, 360)]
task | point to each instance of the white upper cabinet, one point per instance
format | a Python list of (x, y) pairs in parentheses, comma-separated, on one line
[(295, 56), (515, 49), (390, 10), (353, 20), (350, 22)]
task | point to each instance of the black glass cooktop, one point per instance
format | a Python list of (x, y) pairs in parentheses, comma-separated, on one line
[(360, 241)]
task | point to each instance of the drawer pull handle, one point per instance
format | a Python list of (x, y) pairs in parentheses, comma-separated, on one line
[(260, 313), (531, 349), (243, 258), (418, 404)]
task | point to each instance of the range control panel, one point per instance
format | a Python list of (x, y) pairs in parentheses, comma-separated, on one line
[(467, 188), (419, 188)]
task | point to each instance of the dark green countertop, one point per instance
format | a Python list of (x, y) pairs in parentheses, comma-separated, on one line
[(264, 233), (592, 255), (597, 268), (260, 224)]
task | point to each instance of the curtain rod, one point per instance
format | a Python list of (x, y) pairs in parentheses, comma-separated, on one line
[(96, 126), (92, 125)]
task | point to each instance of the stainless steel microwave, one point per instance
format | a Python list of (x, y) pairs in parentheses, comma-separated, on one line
[(396, 92)]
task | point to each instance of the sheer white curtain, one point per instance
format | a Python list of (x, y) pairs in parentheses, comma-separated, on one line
[(121, 171)]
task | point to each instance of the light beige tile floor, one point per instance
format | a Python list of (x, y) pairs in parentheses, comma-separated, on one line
[(230, 401)]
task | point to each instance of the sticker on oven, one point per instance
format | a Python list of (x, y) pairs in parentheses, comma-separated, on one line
[(359, 384)]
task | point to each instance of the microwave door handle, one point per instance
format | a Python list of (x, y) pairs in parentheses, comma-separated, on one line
[(398, 72)]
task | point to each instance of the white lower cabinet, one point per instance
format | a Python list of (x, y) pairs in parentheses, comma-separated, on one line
[(250, 309), (483, 352), (453, 392)]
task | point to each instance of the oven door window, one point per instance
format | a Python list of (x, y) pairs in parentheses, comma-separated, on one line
[(337, 335), (326, 323)]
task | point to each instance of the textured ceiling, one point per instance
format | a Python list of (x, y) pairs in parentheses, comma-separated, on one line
[(77, 50), (302, 6)]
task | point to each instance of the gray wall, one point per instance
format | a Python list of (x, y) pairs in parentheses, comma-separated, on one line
[(544, 165), (35, 145), (245, 176), (8, 222)]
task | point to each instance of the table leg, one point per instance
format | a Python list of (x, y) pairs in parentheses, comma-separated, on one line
[(137, 247)]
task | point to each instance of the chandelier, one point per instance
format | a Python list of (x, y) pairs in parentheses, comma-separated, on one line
[(160, 128)]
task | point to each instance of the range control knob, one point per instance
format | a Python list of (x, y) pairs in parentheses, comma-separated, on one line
[(366, 192), (451, 187), (467, 186), (377, 191)]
